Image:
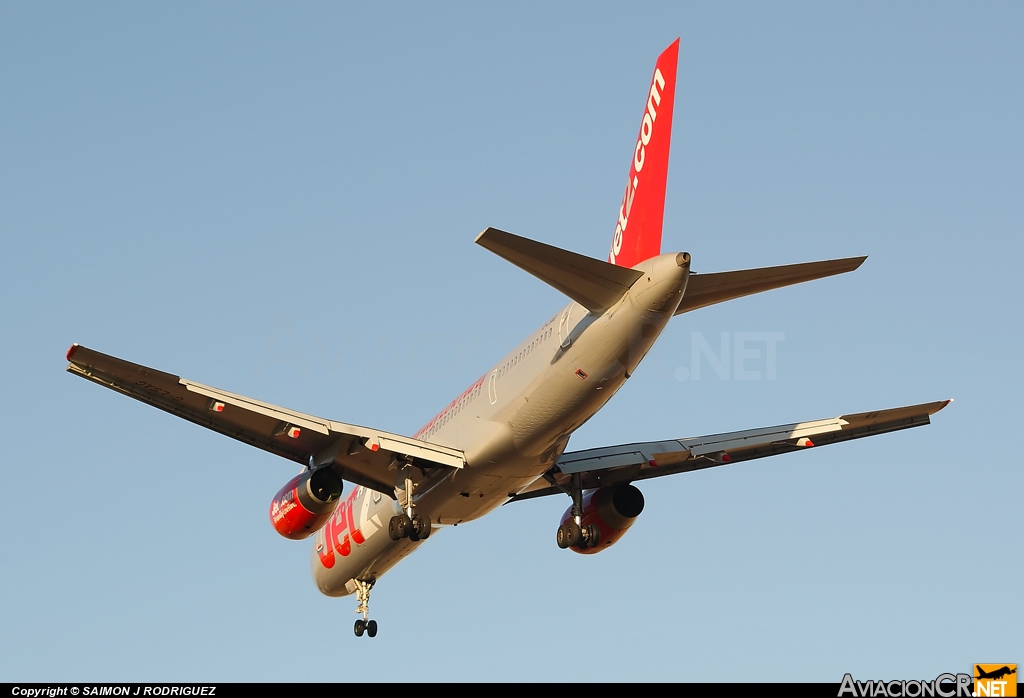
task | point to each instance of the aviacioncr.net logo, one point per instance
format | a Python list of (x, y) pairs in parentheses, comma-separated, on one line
[(995, 680), (943, 686)]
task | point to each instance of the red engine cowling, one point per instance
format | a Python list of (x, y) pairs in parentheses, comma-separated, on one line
[(302, 506), (612, 509)]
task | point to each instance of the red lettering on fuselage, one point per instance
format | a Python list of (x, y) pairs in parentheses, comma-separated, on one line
[(340, 531)]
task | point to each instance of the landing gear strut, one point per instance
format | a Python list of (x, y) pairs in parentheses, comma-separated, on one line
[(363, 596), (408, 524), (572, 533)]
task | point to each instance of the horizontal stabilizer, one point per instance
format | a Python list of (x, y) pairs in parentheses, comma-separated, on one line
[(707, 289), (594, 284)]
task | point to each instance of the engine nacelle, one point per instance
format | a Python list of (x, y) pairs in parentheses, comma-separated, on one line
[(612, 509), (302, 506)]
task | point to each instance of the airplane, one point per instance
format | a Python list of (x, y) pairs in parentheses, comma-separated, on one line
[(504, 438), (996, 674)]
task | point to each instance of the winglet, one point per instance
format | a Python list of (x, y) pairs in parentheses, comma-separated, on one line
[(638, 228)]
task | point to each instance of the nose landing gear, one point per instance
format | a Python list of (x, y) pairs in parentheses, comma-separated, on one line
[(364, 624), (367, 626)]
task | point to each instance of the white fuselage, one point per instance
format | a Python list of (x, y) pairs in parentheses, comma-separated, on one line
[(512, 424)]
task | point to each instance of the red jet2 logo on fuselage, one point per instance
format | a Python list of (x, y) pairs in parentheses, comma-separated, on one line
[(339, 532)]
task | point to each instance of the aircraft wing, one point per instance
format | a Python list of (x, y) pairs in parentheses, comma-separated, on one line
[(599, 467), (362, 455)]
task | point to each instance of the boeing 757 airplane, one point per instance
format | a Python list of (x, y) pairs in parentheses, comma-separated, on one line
[(504, 438)]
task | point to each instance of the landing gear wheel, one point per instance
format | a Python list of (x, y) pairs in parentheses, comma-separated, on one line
[(593, 536), (562, 536), (361, 627), (399, 527), (420, 528), (573, 534), (371, 628)]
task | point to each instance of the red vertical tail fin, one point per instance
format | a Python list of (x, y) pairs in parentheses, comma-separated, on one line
[(638, 229)]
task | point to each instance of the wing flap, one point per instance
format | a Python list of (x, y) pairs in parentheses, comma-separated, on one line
[(707, 289), (738, 440), (298, 419), (362, 455)]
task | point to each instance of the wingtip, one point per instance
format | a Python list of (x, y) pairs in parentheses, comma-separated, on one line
[(489, 231), (71, 351)]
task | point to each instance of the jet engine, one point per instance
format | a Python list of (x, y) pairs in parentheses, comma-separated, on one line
[(302, 506), (608, 513)]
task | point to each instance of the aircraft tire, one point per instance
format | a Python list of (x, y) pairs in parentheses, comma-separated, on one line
[(562, 537), (371, 628), (422, 527), (360, 628), (575, 534), (398, 527)]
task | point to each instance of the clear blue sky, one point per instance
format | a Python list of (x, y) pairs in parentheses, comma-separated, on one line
[(281, 201)]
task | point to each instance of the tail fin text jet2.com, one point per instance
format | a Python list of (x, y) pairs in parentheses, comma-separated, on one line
[(504, 438)]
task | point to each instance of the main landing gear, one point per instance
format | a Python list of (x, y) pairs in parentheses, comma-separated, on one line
[(572, 533), (414, 528), (409, 524), (364, 625)]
